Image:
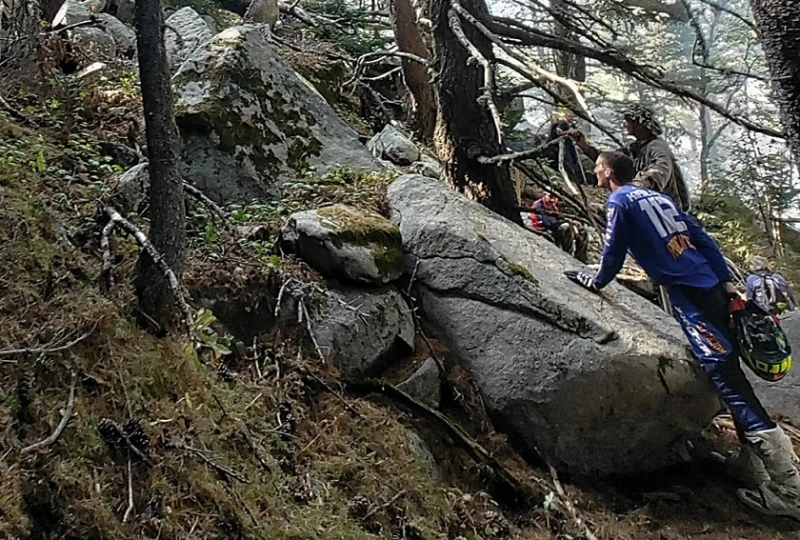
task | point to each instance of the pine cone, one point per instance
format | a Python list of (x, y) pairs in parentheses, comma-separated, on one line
[(136, 434), (27, 381), (224, 372), (111, 433)]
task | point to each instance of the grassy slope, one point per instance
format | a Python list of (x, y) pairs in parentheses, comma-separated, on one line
[(314, 476), (300, 485)]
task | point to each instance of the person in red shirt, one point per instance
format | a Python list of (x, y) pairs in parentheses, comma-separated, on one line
[(568, 235)]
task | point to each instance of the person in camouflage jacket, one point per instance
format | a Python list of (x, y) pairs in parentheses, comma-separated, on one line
[(654, 162)]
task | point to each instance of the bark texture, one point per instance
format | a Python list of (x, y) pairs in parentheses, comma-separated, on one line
[(568, 65), (167, 213), (778, 23), (408, 37), (464, 125)]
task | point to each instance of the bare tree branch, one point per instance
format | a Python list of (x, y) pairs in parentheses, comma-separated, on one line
[(517, 156), (44, 443), (158, 260), (720, 7), (614, 58), (48, 349), (559, 100), (572, 86)]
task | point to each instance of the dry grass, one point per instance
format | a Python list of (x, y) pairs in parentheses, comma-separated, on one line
[(313, 468)]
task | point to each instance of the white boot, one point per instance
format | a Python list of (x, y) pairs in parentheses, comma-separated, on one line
[(780, 496), (746, 467)]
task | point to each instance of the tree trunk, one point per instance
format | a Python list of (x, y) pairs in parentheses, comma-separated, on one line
[(778, 23), (408, 37), (167, 213), (568, 65), (464, 125)]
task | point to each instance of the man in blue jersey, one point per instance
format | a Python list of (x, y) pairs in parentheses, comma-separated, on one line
[(678, 254)]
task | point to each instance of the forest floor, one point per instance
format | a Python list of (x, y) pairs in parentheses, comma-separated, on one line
[(270, 446)]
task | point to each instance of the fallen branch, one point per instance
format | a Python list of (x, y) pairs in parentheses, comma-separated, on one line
[(130, 494), (569, 506), (92, 21), (106, 276), (572, 86), (488, 71), (513, 488), (44, 443), (214, 207), (558, 101), (157, 258), (301, 312), (49, 348), (385, 75), (298, 13), (385, 505), (227, 471)]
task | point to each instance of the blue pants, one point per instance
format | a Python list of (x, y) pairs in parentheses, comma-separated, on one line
[(703, 315)]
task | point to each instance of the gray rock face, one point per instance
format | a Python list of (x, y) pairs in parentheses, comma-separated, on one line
[(392, 145), (93, 44), (346, 242), (72, 12), (124, 37), (595, 386), (249, 122), (427, 166), (132, 187), (418, 447), (185, 32), (424, 384), (363, 331), (122, 10), (782, 397), (263, 12)]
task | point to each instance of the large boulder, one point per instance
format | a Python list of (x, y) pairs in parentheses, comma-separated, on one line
[(121, 9), (782, 397), (72, 12), (346, 242), (426, 166), (263, 12), (184, 32), (596, 386), (362, 331), (424, 384), (249, 123), (123, 36), (131, 190), (392, 145), (92, 44)]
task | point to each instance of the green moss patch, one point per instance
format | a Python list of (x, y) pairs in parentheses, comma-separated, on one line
[(370, 230)]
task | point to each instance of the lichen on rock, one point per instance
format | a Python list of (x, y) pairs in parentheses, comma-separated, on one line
[(249, 123)]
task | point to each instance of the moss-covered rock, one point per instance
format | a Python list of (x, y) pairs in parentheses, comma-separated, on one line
[(249, 123), (347, 243)]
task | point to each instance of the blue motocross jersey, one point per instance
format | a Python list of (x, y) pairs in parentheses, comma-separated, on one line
[(667, 243)]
